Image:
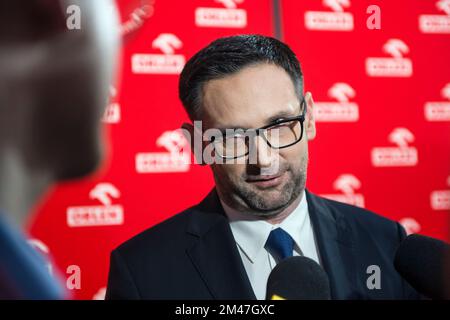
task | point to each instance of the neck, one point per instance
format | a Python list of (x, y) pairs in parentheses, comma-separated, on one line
[(286, 211), (20, 187)]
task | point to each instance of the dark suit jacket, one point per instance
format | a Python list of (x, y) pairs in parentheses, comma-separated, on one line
[(193, 255)]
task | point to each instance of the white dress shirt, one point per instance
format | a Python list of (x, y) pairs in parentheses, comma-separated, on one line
[(251, 233)]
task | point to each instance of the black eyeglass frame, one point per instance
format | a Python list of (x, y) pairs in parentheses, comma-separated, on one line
[(258, 131)]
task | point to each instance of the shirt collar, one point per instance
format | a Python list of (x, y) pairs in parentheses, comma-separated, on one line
[(251, 233)]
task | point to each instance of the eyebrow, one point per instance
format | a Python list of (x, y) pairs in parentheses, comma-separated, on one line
[(278, 116)]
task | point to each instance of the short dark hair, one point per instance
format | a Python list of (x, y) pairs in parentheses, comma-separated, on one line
[(229, 55), (31, 20)]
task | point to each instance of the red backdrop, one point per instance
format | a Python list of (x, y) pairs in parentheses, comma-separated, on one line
[(383, 113)]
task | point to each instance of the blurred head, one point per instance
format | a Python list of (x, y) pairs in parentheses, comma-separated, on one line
[(54, 82), (250, 82)]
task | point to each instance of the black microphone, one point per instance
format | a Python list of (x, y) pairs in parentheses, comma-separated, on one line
[(298, 278), (425, 262)]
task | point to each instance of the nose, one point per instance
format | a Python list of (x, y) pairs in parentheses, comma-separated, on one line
[(264, 153)]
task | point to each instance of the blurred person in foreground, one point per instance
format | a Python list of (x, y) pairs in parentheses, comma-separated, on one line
[(54, 85)]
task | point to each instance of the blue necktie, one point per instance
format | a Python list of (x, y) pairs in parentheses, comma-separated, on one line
[(280, 244)]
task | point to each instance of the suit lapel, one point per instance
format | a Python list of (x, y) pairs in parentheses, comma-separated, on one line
[(215, 255), (335, 243), (214, 252)]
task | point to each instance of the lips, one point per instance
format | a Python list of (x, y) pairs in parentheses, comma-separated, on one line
[(266, 181), (263, 178)]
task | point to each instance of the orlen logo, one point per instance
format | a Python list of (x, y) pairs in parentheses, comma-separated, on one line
[(395, 66), (337, 20), (176, 159), (347, 184), (136, 18), (411, 225), (341, 111), (402, 155), (440, 199), (439, 110), (106, 214), (166, 63), (436, 23), (228, 17), (112, 111)]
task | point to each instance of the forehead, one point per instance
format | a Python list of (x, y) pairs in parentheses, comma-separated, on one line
[(249, 97)]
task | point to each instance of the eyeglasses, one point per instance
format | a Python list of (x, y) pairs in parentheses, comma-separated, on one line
[(280, 134)]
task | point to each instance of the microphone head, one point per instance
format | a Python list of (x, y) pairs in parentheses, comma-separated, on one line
[(423, 262), (298, 278)]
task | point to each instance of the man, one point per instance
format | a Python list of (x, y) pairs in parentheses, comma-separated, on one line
[(53, 88), (259, 212)]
